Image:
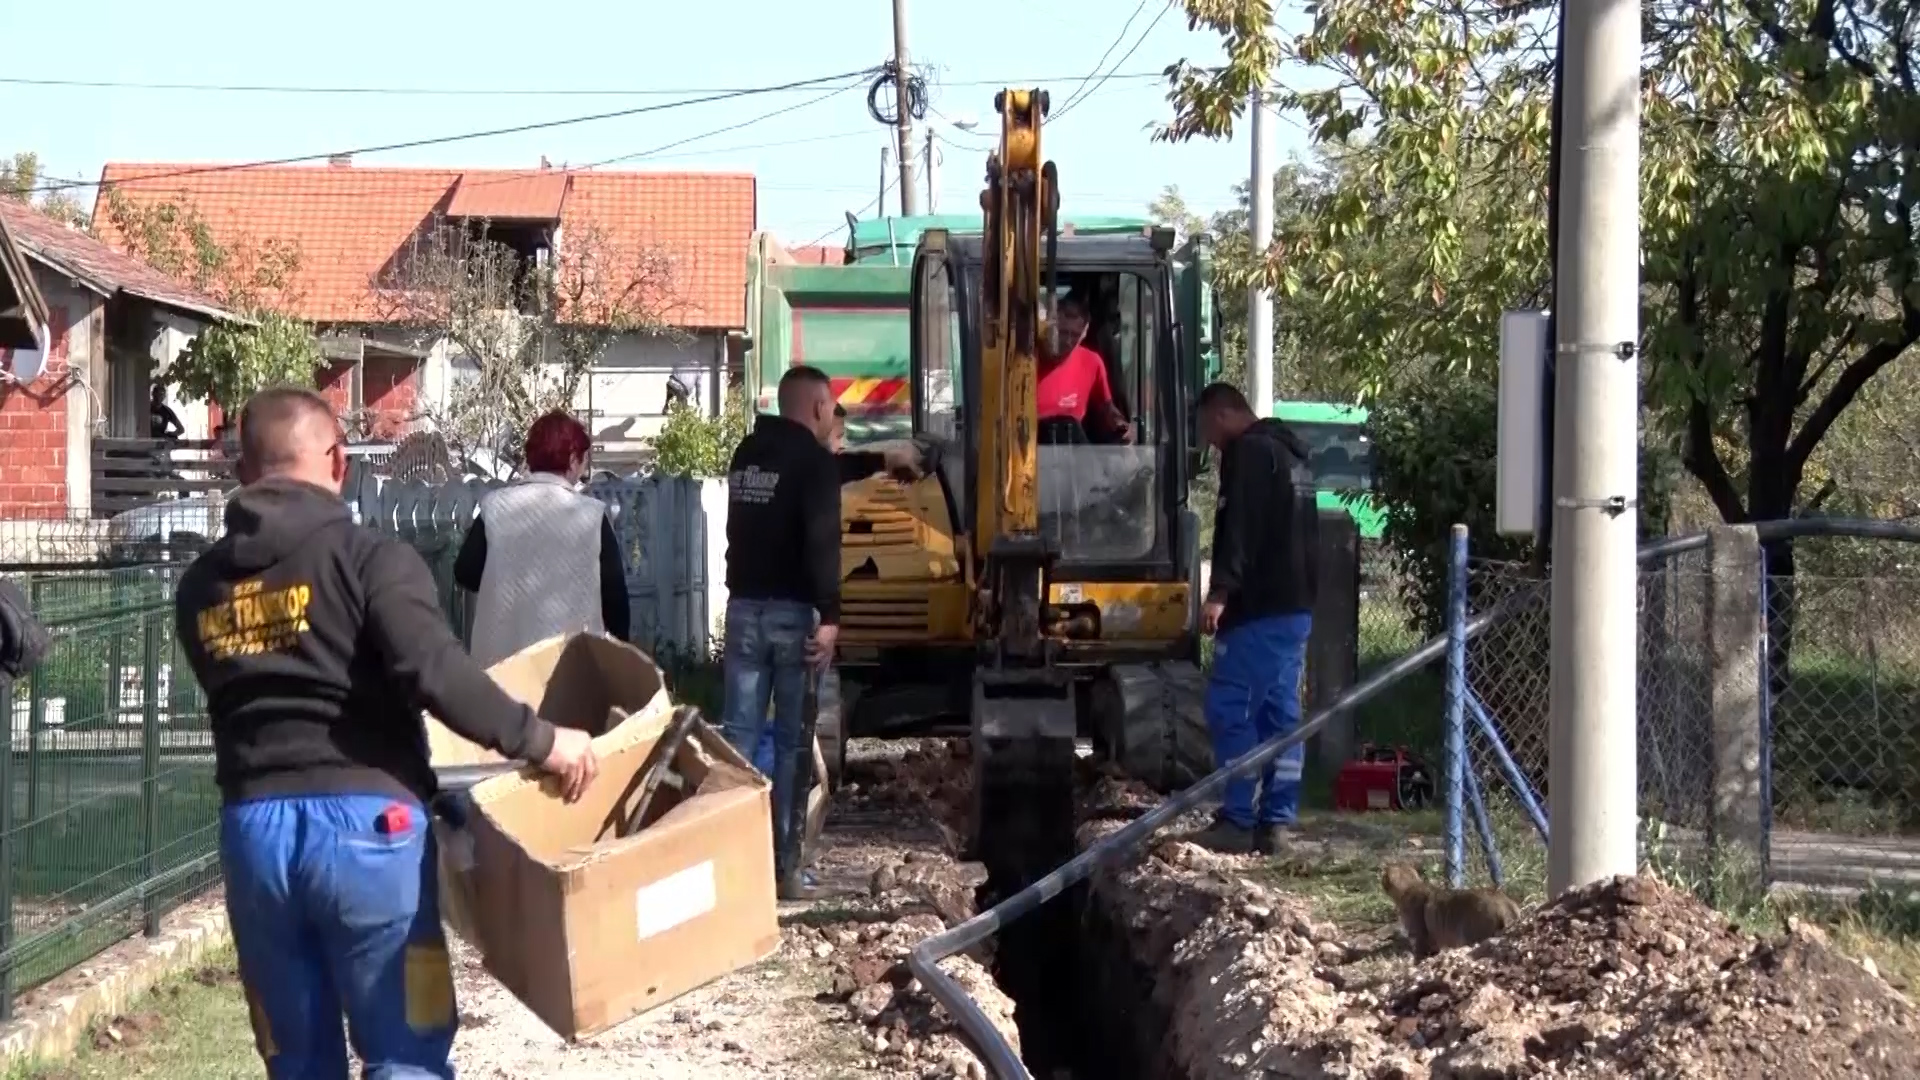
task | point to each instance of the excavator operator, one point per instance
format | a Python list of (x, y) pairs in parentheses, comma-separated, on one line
[(1073, 380)]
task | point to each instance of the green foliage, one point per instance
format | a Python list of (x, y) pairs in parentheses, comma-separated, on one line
[(1778, 206), (21, 180), (1435, 444), (229, 363), (690, 444), (245, 275)]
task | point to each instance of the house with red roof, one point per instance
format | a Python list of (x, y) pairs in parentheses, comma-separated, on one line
[(110, 322), (351, 225)]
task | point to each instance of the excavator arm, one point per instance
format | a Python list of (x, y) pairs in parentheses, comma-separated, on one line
[(1021, 206)]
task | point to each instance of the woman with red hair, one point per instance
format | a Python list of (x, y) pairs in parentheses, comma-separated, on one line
[(542, 558)]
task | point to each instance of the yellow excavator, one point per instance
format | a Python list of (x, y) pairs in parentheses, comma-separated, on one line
[(1038, 586)]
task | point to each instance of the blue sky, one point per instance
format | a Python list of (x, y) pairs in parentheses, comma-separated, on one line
[(1107, 162)]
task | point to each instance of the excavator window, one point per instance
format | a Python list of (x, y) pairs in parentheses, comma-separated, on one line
[(1100, 500)]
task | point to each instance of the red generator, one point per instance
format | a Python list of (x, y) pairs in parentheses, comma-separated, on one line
[(1383, 778)]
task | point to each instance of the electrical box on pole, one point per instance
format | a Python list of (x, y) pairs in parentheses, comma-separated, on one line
[(1520, 464)]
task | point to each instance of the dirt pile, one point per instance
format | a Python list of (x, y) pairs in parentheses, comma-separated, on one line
[(1625, 978), (1631, 978)]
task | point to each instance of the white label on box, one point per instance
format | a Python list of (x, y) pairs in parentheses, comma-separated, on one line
[(675, 899)]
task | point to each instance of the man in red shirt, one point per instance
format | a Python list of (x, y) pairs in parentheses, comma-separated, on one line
[(1073, 382)]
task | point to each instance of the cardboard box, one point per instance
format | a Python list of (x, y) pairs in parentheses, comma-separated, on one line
[(586, 927)]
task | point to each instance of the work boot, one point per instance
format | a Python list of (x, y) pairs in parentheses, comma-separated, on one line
[(1225, 837), (1271, 839), (798, 886)]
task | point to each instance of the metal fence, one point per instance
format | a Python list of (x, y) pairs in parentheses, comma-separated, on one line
[(112, 816), (1837, 669), (662, 523)]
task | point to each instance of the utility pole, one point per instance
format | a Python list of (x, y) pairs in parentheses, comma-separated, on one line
[(1591, 752), (902, 77), (1260, 299), (932, 163)]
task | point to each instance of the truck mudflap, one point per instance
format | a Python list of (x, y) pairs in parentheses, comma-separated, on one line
[(1152, 723)]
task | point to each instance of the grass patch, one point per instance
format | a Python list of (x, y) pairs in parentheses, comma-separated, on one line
[(191, 1026)]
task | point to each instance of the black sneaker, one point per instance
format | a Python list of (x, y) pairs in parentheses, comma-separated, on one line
[(1225, 837), (1271, 840)]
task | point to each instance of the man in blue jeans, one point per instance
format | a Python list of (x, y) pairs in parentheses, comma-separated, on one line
[(783, 586), (1258, 610), (318, 642)]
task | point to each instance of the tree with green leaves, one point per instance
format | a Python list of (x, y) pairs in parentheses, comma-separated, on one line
[(231, 362), (226, 364), (691, 444), (1778, 204), (23, 180)]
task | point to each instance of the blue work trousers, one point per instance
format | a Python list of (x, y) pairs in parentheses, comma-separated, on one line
[(335, 907), (1253, 695), (765, 663)]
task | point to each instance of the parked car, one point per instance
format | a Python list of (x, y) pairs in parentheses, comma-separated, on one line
[(168, 531)]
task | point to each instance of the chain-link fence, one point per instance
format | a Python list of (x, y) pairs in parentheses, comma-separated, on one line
[(1505, 707), (1832, 663), (1843, 690), (111, 817)]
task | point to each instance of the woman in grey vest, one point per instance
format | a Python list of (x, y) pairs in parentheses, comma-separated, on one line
[(543, 558)]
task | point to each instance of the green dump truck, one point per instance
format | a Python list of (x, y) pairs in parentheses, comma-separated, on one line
[(850, 320)]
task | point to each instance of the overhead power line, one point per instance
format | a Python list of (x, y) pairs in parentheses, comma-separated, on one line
[(1100, 63), (476, 91), (441, 140), (1077, 98)]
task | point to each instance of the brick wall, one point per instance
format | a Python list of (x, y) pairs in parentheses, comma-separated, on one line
[(33, 434), (392, 391), (389, 387)]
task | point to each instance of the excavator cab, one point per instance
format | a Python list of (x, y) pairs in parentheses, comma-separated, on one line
[(1109, 511)]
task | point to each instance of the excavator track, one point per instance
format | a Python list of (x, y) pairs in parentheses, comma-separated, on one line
[(1153, 724)]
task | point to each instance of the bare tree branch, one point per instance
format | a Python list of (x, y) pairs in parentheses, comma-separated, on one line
[(529, 330)]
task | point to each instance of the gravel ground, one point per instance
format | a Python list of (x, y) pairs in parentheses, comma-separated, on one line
[(836, 1000)]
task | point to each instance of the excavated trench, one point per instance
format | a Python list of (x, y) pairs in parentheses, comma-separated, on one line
[(1083, 1003)]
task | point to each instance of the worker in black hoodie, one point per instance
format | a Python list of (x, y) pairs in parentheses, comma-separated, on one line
[(783, 588), (318, 642), (1259, 611)]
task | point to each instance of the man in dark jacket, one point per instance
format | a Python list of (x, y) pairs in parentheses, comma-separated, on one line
[(318, 642), (783, 585), (1258, 610)]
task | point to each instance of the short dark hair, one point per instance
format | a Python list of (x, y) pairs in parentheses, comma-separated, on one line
[(839, 411), (1223, 396), (554, 440), (798, 378), (1079, 300), (269, 420)]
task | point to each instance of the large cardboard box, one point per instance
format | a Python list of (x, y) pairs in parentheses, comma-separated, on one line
[(585, 926)]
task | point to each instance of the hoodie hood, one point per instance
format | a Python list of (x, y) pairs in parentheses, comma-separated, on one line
[(268, 520), (1284, 435)]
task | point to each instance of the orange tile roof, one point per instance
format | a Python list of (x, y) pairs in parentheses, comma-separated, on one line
[(348, 222)]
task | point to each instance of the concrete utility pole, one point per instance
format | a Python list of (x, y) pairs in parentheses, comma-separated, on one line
[(909, 194), (933, 175), (1260, 300), (1592, 763)]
